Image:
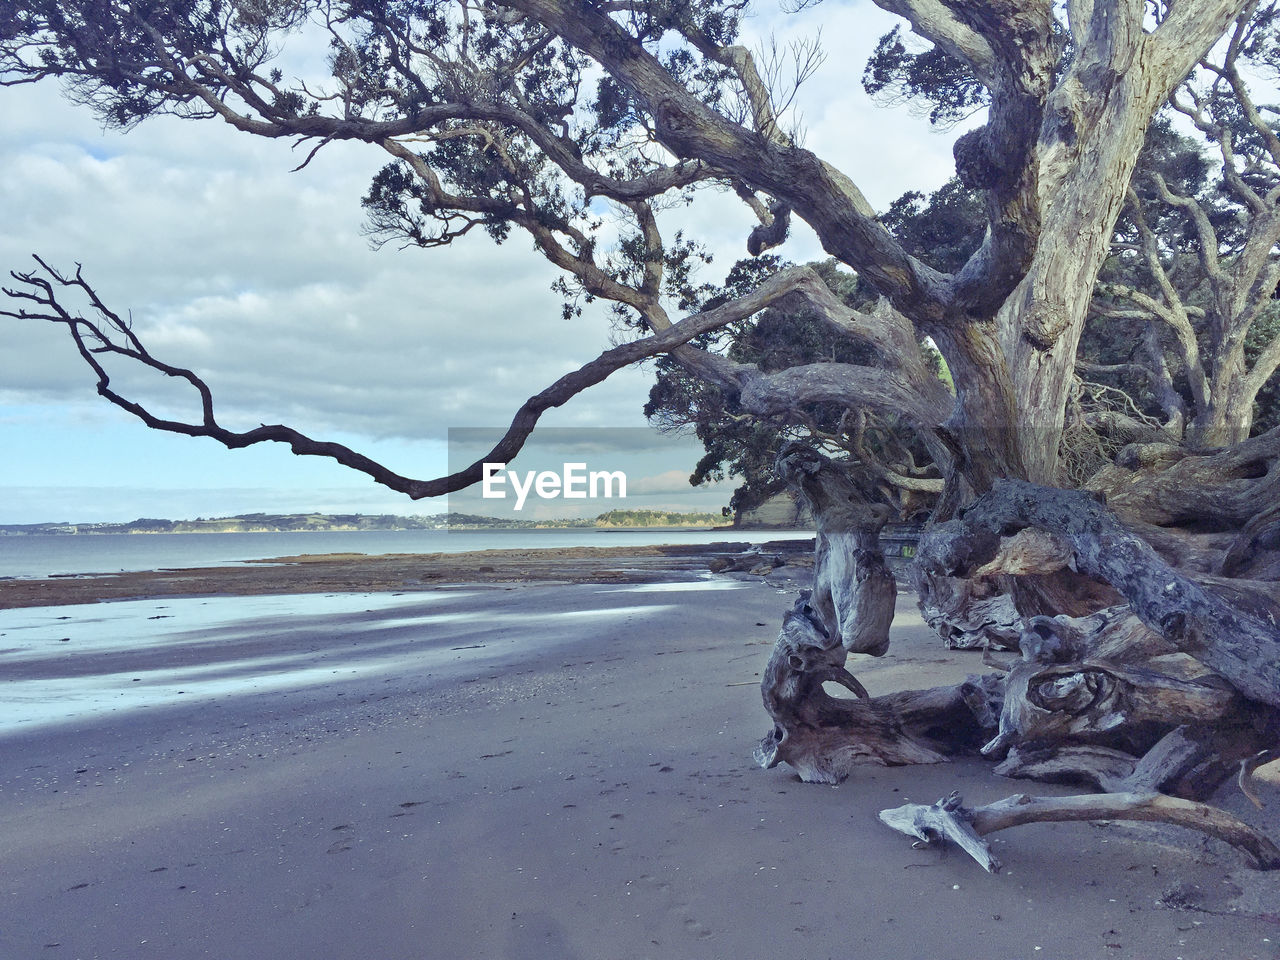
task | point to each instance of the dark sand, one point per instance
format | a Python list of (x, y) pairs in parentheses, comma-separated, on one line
[(535, 770), (358, 573)]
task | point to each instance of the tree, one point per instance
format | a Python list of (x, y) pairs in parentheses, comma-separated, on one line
[(541, 116), (1202, 286), (898, 466)]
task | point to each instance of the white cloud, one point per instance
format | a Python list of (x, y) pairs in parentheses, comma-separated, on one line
[(259, 278), (669, 481)]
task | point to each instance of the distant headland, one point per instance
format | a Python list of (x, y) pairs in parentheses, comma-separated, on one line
[(342, 522)]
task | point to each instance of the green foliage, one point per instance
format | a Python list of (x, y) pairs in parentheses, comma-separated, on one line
[(523, 106), (1171, 161), (775, 339), (657, 518), (392, 61), (1266, 328), (942, 229), (943, 84)]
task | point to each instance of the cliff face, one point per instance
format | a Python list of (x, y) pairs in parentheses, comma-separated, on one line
[(781, 510)]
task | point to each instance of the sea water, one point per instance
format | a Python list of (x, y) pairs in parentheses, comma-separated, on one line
[(76, 664), (80, 664), (68, 554)]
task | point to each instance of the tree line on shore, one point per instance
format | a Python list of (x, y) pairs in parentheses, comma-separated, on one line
[(345, 522)]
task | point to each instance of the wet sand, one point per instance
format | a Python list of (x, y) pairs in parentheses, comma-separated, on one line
[(355, 572), (523, 770)]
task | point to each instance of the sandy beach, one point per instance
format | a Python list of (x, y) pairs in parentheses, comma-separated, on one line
[(532, 768), (358, 573)]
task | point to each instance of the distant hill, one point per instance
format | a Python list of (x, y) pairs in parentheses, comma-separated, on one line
[(341, 522), (658, 518)]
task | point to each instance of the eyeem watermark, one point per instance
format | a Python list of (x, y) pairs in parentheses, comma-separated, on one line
[(573, 482)]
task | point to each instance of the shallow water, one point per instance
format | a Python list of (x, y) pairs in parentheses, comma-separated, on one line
[(79, 664), (682, 586), (54, 555)]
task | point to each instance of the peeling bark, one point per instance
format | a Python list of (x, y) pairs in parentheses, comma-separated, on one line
[(824, 737), (1239, 642)]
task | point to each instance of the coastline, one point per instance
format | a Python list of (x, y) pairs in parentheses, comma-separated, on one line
[(354, 572), (549, 767)]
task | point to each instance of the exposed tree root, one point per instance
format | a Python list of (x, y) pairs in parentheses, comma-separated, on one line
[(1236, 638), (948, 819), (1133, 677), (823, 737)]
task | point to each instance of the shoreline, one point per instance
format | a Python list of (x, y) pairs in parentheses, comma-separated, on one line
[(359, 573), (458, 529), (538, 770)]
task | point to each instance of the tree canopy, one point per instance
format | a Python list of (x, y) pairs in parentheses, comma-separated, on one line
[(1081, 214)]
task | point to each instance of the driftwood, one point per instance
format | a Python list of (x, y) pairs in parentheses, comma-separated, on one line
[(854, 591), (1168, 691), (949, 819), (1250, 764), (1133, 677), (1189, 762), (824, 737), (945, 820), (971, 614), (1088, 699), (1239, 641)]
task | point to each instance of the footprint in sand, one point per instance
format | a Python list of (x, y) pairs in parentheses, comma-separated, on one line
[(678, 907), (660, 885), (694, 929)]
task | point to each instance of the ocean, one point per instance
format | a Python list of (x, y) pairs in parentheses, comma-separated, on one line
[(65, 555), (73, 666)]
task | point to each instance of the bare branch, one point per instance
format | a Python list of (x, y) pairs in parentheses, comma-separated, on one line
[(1207, 248), (940, 24), (93, 338), (948, 819), (1184, 334), (826, 198)]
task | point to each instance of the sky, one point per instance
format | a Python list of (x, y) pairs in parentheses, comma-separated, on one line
[(261, 280)]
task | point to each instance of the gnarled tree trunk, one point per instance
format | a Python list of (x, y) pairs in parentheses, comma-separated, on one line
[(853, 589), (1153, 686), (850, 610)]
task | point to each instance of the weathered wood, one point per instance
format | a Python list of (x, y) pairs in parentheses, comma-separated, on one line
[(1190, 761), (1241, 644), (969, 614), (854, 592), (1068, 716), (1028, 551), (1245, 776), (1170, 486), (1194, 760), (950, 819), (945, 820), (1089, 765), (1262, 531), (1118, 636), (1087, 700), (823, 738)]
